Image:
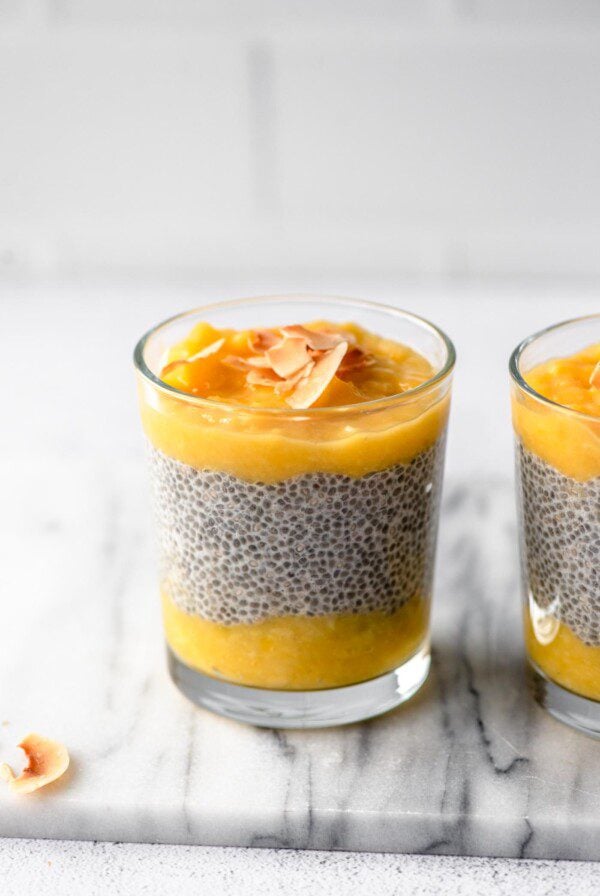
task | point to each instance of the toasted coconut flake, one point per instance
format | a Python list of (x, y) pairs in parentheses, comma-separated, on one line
[(259, 361), (345, 370), (256, 362), (236, 362), (47, 760), (320, 341), (181, 362), (262, 340), (248, 365), (262, 378), (285, 386), (310, 389), (288, 356), (595, 377), (355, 359), (211, 349)]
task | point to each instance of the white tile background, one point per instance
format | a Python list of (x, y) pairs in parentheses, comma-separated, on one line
[(442, 137)]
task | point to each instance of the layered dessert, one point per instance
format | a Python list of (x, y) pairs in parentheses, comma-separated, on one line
[(558, 475), (297, 502)]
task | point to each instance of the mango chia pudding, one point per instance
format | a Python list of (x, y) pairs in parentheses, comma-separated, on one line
[(296, 471), (557, 424)]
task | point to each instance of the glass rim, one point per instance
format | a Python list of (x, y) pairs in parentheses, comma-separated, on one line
[(517, 376), (375, 403)]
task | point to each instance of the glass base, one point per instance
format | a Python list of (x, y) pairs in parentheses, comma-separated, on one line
[(302, 709), (578, 712)]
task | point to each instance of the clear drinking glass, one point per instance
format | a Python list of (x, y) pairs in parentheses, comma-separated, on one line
[(297, 547), (558, 491)]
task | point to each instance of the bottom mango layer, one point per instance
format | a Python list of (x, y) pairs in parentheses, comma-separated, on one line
[(299, 652), (566, 660)]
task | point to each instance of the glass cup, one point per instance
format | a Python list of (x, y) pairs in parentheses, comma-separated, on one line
[(297, 547), (558, 496)]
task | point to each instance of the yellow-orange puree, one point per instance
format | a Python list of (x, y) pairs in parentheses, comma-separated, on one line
[(568, 442), (245, 437), (299, 652)]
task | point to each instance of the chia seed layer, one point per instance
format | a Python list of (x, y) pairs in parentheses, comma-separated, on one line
[(560, 538), (233, 551)]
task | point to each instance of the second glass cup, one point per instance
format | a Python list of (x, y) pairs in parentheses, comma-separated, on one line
[(555, 389), (297, 546)]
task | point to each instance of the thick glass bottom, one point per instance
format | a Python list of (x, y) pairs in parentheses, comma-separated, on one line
[(302, 709), (572, 709)]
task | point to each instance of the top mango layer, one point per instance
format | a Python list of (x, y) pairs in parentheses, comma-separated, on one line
[(569, 442), (328, 367), (572, 382), (244, 367)]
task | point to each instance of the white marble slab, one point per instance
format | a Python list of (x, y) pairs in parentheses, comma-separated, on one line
[(469, 767)]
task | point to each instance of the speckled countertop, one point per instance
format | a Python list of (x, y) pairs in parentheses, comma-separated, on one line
[(52, 868), (45, 430)]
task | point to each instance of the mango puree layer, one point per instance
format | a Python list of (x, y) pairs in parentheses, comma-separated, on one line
[(568, 442), (571, 444), (566, 660), (294, 652), (250, 438), (299, 652)]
